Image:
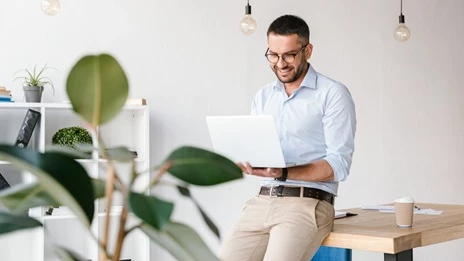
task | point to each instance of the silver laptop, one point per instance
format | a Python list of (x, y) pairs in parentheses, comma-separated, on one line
[(251, 138)]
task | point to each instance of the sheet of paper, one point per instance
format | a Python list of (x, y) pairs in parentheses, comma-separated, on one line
[(391, 209), (426, 211)]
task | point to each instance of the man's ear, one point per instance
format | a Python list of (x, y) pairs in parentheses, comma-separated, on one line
[(308, 51)]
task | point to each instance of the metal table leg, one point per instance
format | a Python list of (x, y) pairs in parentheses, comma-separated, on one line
[(401, 256)]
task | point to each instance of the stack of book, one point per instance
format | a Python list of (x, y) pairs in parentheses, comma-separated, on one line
[(5, 95)]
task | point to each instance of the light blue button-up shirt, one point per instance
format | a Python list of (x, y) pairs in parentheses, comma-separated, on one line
[(317, 121)]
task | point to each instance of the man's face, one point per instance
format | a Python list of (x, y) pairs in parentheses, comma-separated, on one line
[(287, 46)]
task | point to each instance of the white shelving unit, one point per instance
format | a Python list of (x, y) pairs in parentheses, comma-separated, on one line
[(130, 128)]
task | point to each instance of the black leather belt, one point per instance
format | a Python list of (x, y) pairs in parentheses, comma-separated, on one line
[(282, 191)]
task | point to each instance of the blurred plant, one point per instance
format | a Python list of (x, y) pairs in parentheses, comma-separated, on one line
[(97, 87)]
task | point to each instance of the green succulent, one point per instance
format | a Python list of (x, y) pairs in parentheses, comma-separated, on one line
[(35, 77), (71, 136)]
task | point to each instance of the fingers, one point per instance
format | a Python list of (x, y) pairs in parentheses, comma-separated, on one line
[(240, 165), (262, 172), (248, 168)]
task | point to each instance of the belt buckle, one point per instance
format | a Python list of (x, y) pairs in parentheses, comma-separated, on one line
[(270, 191)]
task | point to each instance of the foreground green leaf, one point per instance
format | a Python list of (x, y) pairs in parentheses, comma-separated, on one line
[(120, 154), (181, 241), (201, 167), (150, 209), (12, 222), (97, 87), (64, 179), (72, 153), (20, 198), (186, 192)]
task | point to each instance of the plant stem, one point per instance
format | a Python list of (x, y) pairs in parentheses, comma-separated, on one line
[(123, 219), (121, 234), (163, 169), (109, 189)]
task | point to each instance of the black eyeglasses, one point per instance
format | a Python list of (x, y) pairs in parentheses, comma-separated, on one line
[(287, 57)]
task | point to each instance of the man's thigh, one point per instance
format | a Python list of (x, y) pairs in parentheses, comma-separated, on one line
[(248, 239), (301, 224)]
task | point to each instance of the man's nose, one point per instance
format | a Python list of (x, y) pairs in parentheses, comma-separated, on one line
[(281, 63)]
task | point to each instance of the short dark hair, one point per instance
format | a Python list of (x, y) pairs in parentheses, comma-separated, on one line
[(290, 24)]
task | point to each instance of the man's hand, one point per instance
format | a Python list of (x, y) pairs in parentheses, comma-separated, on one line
[(261, 172)]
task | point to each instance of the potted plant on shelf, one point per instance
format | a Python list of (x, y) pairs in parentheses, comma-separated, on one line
[(34, 82), (98, 89)]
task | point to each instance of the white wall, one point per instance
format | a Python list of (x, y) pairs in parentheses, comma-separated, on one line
[(189, 60)]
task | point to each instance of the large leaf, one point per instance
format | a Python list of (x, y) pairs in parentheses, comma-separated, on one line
[(120, 154), (11, 222), (64, 179), (73, 153), (186, 192), (201, 167), (181, 241), (98, 188), (150, 209), (22, 197), (97, 87)]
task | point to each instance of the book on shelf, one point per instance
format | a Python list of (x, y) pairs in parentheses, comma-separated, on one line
[(4, 90), (5, 95), (5, 99)]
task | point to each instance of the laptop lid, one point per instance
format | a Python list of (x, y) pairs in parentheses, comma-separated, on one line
[(251, 138)]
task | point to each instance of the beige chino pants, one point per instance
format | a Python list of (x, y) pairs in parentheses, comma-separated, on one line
[(279, 229)]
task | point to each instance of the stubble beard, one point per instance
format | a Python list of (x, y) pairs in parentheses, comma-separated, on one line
[(298, 72)]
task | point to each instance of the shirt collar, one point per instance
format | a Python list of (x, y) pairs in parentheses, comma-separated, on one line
[(309, 81)]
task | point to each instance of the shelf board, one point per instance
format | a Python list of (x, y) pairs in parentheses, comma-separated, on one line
[(67, 214), (58, 216), (87, 161), (56, 105)]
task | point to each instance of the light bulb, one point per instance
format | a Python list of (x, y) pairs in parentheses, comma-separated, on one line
[(248, 24), (402, 33), (51, 7)]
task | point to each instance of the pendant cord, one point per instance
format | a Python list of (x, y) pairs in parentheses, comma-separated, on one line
[(401, 7)]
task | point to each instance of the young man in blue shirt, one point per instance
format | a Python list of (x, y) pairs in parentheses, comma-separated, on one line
[(315, 116)]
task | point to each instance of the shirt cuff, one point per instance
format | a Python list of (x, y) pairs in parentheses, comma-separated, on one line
[(339, 170)]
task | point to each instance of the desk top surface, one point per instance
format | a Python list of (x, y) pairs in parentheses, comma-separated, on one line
[(372, 230)]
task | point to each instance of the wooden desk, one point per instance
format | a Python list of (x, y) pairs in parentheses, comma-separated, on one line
[(372, 230)]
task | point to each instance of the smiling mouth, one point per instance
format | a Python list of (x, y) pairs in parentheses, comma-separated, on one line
[(284, 71)]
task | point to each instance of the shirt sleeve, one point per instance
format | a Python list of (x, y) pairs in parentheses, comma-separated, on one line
[(339, 123)]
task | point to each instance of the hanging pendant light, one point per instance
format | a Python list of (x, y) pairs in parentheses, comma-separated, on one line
[(402, 32), (248, 24), (51, 7)]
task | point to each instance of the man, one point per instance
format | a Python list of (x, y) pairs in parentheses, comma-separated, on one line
[(315, 115)]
